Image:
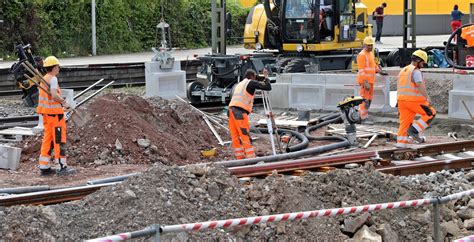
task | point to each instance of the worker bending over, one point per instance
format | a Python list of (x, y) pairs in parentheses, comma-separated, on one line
[(52, 108), (239, 108), (366, 76), (413, 99)]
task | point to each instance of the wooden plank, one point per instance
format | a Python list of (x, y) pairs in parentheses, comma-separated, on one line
[(284, 123)]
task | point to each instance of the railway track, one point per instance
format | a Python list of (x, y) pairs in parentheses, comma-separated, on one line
[(81, 76), (422, 159)]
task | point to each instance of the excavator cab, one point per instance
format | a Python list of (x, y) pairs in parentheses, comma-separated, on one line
[(308, 32)]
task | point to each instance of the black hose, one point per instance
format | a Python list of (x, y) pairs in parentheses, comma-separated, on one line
[(286, 156), (303, 140), (308, 130), (329, 116), (448, 43)]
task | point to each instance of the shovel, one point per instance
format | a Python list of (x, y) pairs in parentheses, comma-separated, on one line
[(77, 117)]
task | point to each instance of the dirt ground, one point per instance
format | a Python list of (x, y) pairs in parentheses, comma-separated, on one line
[(166, 195)]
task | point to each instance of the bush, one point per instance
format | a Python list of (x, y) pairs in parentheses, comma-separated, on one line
[(63, 28)]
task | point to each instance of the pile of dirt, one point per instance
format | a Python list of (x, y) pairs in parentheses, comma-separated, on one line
[(174, 195), (128, 129)]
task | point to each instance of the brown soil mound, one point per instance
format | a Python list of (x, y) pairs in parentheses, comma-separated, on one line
[(154, 130)]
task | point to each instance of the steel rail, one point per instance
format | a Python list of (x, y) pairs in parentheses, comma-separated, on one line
[(51, 196)]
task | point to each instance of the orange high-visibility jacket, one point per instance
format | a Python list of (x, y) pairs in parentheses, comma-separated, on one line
[(46, 103), (406, 88), (241, 98), (468, 34), (367, 67)]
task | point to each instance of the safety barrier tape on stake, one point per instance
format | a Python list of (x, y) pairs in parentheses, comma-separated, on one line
[(291, 216), (294, 216), (465, 239)]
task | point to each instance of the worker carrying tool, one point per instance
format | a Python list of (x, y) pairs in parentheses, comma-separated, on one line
[(52, 106), (413, 99), (240, 107), (366, 76)]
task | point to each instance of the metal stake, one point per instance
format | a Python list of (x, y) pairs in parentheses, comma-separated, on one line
[(436, 220)]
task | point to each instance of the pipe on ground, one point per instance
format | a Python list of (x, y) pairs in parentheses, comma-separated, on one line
[(286, 156), (111, 179), (303, 140), (20, 190)]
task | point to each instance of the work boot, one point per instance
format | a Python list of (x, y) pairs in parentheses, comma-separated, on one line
[(64, 171), (47, 172), (413, 133)]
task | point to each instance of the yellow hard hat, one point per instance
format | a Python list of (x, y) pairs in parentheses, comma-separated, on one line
[(421, 54), (369, 41), (50, 61)]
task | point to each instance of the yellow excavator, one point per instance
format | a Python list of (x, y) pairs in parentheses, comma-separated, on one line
[(307, 34), (288, 36)]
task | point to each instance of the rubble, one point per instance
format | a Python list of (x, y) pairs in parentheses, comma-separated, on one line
[(168, 195)]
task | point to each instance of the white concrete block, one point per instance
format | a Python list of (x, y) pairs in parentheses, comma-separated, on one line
[(154, 66), (307, 78), (305, 96), (341, 79), (166, 84), (463, 83), (332, 95), (283, 78), (9, 157), (279, 95), (456, 108)]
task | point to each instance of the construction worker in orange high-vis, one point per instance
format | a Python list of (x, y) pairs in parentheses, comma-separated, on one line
[(52, 108), (412, 100), (239, 108), (366, 76)]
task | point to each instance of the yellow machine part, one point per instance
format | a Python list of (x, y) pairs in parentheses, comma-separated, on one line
[(256, 23), (247, 3), (28, 85)]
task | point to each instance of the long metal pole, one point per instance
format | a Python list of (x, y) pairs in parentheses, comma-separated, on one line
[(94, 39), (436, 221), (214, 26)]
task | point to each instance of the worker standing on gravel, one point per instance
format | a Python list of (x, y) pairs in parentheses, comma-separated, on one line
[(366, 76), (239, 108), (52, 108), (412, 100)]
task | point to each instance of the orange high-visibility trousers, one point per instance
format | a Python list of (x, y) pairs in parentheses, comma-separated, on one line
[(407, 111), (239, 128), (368, 95), (54, 139)]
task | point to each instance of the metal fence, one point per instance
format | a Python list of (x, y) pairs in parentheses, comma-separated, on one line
[(157, 230)]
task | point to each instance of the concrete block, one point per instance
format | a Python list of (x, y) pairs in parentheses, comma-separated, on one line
[(332, 95), (307, 78), (305, 96), (9, 157), (165, 84), (341, 79), (279, 95), (154, 66), (456, 108), (463, 83), (284, 78)]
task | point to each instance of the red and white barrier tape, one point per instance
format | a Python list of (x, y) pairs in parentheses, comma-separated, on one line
[(465, 239), (293, 216)]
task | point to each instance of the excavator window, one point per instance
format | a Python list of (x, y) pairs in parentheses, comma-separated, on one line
[(300, 19)]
